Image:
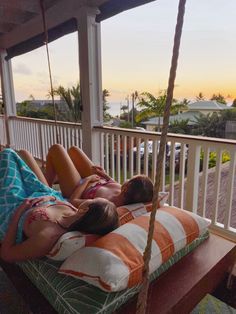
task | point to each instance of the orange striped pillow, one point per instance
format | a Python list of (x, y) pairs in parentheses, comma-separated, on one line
[(115, 262), (129, 212)]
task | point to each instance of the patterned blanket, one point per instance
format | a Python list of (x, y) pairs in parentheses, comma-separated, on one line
[(17, 182)]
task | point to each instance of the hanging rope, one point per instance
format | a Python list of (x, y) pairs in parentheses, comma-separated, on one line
[(142, 297), (49, 68)]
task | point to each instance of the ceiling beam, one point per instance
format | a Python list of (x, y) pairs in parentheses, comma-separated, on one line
[(6, 27), (21, 5), (13, 17), (62, 11)]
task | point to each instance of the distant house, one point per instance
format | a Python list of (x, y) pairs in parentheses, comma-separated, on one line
[(193, 111)]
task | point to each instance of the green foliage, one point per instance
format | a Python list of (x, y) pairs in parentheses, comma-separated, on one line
[(219, 98), (234, 103), (212, 158), (208, 125), (26, 109), (126, 125), (213, 125), (72, 98), (180, 127), (152, 106), (106, 115)]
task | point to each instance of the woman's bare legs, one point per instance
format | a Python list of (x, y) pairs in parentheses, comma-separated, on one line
[(59, 163), (81, 161), (31, 162)]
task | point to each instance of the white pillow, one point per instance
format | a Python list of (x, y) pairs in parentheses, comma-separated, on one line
[(70, 242)]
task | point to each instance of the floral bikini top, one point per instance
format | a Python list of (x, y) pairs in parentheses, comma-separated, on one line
[(40, 213)]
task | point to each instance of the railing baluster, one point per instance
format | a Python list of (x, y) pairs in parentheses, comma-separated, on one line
[(124, 157), (217, 185), (138, 159), (102, 149), (112, 156), (146, 157), (172, 173), (163, 175), (202, 210), (118, 158), (182, 175), (154, 159), (192, 184), (107, 152), (230, 189), (131, 157)]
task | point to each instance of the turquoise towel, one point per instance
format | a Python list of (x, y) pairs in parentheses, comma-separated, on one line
[(17, 182)]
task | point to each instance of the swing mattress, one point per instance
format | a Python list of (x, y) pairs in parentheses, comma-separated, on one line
[(70, 295)]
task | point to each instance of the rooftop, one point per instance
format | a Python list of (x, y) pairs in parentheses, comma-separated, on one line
[(207, 105)]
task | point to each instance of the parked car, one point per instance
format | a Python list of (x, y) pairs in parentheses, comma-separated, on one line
[(142, 148), (168, 152)]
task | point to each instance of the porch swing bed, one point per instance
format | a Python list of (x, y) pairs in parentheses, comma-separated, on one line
[(176, 286)]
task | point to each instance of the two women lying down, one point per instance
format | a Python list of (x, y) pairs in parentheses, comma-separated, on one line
[(33, 216)]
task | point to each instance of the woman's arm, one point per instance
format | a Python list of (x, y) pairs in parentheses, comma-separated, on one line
[(36, 246), (76, 195), (101, 172)]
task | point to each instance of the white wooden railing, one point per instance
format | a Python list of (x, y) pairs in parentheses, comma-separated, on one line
[(192, 185), (125, 152), (37, 135)]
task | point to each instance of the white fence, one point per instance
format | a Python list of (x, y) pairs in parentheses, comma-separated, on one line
[(186, 174), (36, 135), (191, 183)]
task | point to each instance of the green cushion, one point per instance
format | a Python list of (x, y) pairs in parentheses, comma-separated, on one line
[(70, 295), (212, 305)]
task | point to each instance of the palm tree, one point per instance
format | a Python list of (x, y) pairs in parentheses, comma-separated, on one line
[(200, 97), (234, 103), (208, 125), (219, 98), (124, 108), (72, 98), (180, 127), (179, 106), (152, 106)]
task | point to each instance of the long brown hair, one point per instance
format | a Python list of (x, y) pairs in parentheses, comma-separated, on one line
[(139, 189), (101, 218)]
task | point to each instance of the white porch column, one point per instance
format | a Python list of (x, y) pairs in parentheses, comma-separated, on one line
[(89, 34), (7, 95)]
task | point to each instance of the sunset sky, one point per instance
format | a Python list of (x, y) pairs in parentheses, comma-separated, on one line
[(136, 53)]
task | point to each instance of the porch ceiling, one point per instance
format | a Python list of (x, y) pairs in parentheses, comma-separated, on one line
[(21, 24)]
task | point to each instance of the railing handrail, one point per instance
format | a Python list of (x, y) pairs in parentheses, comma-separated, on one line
[(43, 121), (150, 135), (145, 134)]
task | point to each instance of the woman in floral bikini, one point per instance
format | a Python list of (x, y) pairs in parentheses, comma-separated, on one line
[(33, 216)]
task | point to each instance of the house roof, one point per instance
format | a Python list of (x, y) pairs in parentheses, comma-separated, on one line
[(190, 115), (207, 105), (21, 26)]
